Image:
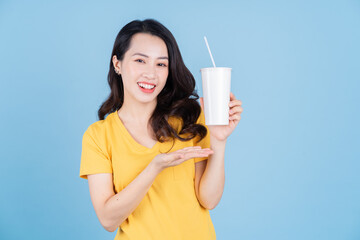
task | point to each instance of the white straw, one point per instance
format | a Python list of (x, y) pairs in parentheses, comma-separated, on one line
[(212, 59)]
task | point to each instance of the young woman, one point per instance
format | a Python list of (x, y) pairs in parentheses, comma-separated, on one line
[(154, 168)]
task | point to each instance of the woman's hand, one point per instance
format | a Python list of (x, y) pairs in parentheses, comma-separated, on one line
[(164, 160), (222, 132)]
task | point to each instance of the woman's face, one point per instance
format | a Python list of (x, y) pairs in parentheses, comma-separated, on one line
[(144, 68)]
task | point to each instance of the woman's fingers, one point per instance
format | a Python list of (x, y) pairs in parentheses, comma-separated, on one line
[(192, 149), (197, 153), (235, 117), (182, 155), (192, 154), (189, 148), (202, 102), (235, 103), (188, 153), (235, 110)]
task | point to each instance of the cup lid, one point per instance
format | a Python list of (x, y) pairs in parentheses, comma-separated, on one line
[(214, 68)]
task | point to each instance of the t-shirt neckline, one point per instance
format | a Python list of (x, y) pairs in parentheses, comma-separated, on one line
[(130, 138)]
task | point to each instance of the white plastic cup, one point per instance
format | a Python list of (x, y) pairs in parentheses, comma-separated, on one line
[(216, 83)]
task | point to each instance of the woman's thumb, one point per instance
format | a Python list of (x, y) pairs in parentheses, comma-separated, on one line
[(202, 103)]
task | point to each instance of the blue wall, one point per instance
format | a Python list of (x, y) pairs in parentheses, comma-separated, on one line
[(292, 164)]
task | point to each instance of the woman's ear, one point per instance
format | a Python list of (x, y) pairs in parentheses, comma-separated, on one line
[(116, 65)]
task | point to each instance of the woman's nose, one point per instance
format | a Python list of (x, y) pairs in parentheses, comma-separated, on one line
[(150, 72)]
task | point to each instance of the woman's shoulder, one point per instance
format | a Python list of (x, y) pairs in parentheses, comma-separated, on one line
[(201, 118), (101, 126)]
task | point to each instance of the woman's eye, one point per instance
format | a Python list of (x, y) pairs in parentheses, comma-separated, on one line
[(138, 60), (162, 64)]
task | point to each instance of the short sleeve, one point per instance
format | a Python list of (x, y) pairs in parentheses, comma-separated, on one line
[(94, 158), (205, 142)]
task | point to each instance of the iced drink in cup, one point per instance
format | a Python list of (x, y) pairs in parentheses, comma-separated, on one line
[(216, 83)]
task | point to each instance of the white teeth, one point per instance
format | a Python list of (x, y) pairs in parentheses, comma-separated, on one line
[(146, 86)]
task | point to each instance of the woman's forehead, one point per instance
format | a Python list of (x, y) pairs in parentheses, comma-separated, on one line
[(148, 46)]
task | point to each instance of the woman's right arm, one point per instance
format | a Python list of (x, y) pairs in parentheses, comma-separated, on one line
[(113, 209)]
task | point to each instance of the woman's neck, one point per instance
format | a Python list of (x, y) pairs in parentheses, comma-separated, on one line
[(137, 113)]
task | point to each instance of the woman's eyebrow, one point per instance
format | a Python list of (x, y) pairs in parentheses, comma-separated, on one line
[(141, 54)]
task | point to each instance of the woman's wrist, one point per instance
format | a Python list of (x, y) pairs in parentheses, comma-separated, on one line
[(154, 167), (215, 143)]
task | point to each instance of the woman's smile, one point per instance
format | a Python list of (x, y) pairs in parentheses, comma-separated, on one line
[(146, 87)]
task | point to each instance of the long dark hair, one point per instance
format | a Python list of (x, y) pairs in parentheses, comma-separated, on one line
[(178, 97)]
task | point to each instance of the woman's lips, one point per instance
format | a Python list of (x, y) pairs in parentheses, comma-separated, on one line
[(145, 90)]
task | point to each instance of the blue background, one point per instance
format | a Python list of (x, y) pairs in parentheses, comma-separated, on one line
[(292, 164)]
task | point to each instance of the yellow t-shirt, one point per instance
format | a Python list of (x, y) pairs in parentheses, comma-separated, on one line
[(170, 209)]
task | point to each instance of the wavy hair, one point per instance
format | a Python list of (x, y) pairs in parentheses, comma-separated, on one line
[(178, 97)]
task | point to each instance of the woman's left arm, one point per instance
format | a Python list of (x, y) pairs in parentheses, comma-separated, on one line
[(212, 182)]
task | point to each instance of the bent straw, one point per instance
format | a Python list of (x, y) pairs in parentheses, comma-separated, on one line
[(212, 59)]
